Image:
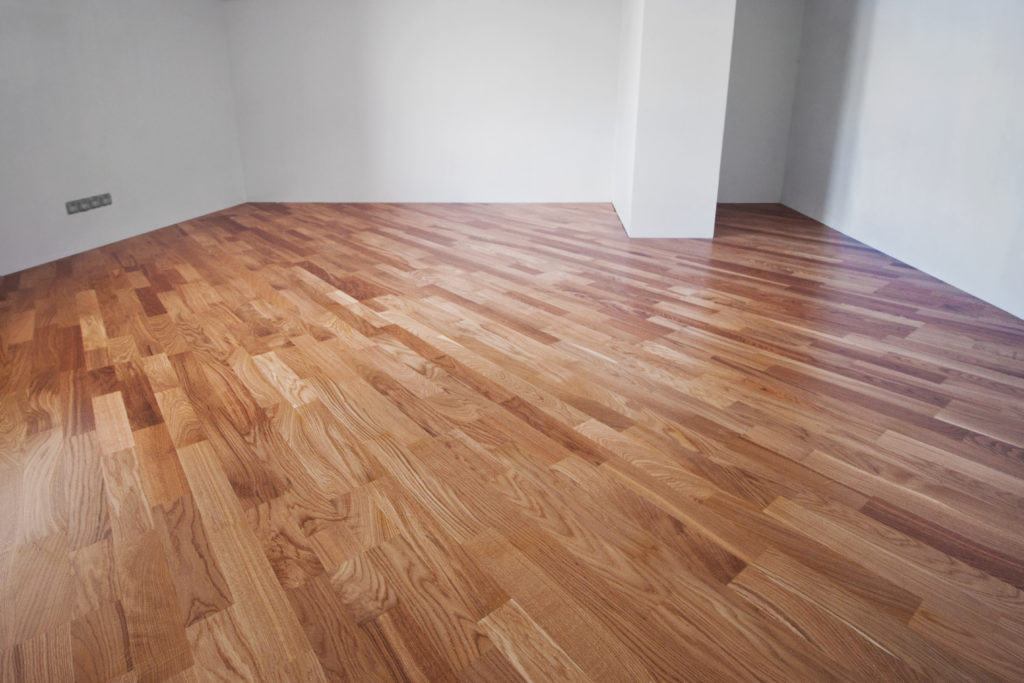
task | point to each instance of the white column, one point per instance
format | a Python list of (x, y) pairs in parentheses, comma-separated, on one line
[(674, 82)]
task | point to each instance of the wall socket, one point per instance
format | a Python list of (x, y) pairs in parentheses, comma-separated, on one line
[(88, 203)]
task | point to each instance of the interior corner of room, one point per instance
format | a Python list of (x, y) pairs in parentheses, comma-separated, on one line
[(896, 123)]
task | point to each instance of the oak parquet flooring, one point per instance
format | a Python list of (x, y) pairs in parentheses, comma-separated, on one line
[(504, 442)]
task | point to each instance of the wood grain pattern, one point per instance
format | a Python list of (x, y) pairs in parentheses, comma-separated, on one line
[(313, 442)]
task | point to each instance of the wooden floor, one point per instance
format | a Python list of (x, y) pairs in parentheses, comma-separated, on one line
[(308, 442)]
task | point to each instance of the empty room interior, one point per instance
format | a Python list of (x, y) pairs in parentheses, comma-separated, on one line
[(511, 340)]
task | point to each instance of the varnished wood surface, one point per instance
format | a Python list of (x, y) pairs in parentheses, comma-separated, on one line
[(424, 442)]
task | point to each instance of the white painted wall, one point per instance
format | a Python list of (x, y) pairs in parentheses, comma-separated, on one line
[(683, 79), (426, 100), (908, 134), (762, 85), (906, 127), (130, 97)]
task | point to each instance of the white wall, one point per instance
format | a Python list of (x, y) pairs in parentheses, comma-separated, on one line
[(426, 100), (130, 97), (762, 85), (908, 134), (685, 47), (906, 127)]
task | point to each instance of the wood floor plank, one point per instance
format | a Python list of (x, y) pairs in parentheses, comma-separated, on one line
[(99, 644), (530, 650), (155, 628), (310, 442)]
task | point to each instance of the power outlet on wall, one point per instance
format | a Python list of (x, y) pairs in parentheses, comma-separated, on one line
[(88, 203)]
